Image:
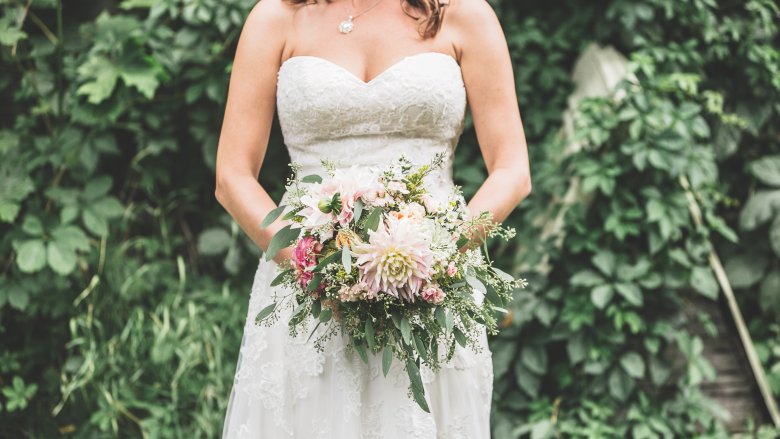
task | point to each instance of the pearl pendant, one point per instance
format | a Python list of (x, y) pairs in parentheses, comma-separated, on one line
[(346, 26)]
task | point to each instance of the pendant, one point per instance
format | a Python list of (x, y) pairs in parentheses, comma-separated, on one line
[(346, 26)]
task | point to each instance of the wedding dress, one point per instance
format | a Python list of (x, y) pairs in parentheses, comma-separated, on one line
[(283, 387)]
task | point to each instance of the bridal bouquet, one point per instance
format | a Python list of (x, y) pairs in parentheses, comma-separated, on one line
[(390, 266)]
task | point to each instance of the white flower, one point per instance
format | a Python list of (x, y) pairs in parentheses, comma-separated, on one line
[(396, 260)]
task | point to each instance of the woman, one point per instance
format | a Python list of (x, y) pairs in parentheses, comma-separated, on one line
[(361, 82)]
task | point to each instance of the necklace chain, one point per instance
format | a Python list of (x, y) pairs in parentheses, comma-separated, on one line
[(347, 25)]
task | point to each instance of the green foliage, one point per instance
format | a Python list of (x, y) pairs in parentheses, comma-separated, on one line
[(123, 285)]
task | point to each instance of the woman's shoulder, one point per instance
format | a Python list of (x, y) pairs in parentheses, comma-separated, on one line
[(469, 14), (271, 15)]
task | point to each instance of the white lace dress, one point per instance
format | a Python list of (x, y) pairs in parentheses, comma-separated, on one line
[(283, 387)]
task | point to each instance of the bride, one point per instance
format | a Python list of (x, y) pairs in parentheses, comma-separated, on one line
[(360, 82)]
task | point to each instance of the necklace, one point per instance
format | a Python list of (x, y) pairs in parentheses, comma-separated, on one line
[(348, 24)]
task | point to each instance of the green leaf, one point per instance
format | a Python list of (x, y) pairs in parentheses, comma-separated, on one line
[(32, 225), (325, 315), (421, 349), (71, 237), (761, 207), (331, 258), (370, 334), (346, 259), (630, 292), (357, 211), (285, 237), (141, 77), (265, 312), (703, 281), (767, 169), (774, 235), (312, 179), (503, 275), (460, 337), (316, 309), (387, 359), (418, 391), (103, 78), (360, 350), (744, 271), (440, 316), (107, 207), (586, 278), (527, 381), (62, 260), (406, 330), (477, 284), (94, 223), (534, 358), (449, 321), (605, 261), (314, 283), (272, 216), (31, 256), (633, 364), (18, 298), (280, 278), (620, 384), (542, 429), (213, 241), (374, 217), (601, 295)]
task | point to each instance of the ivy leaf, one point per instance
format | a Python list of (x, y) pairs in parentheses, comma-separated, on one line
[(31, 256), (601, 295), (526, 380), (605, 262), (285, 237), (633, 364), (534, 358), (774, 235), (586, 278), (630, 292), (94, 222), (767, 169), (32, 225), (213, 241), (71, 237), (107, 207), (142, 78), (620, 384), (703, 281), (103, 76), (62, 260), (745, 270), (759, 208)]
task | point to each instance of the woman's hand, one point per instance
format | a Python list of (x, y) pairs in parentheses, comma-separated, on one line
[(283, 257)]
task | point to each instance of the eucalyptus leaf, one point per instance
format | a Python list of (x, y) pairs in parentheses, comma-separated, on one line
[(272, 216), (285, 237)]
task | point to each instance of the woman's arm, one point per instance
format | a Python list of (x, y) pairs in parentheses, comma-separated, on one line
[(249, 114), (490, 87)]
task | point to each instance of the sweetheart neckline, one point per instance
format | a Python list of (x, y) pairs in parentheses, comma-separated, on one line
[(379, 75)]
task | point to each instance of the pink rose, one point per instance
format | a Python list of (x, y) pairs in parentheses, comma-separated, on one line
[(433, 294), (451, 269), (304, 256)]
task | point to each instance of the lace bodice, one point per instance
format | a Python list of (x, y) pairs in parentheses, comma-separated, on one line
[(415, 107)]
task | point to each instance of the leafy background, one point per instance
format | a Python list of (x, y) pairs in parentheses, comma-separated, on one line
[(123, 284)]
